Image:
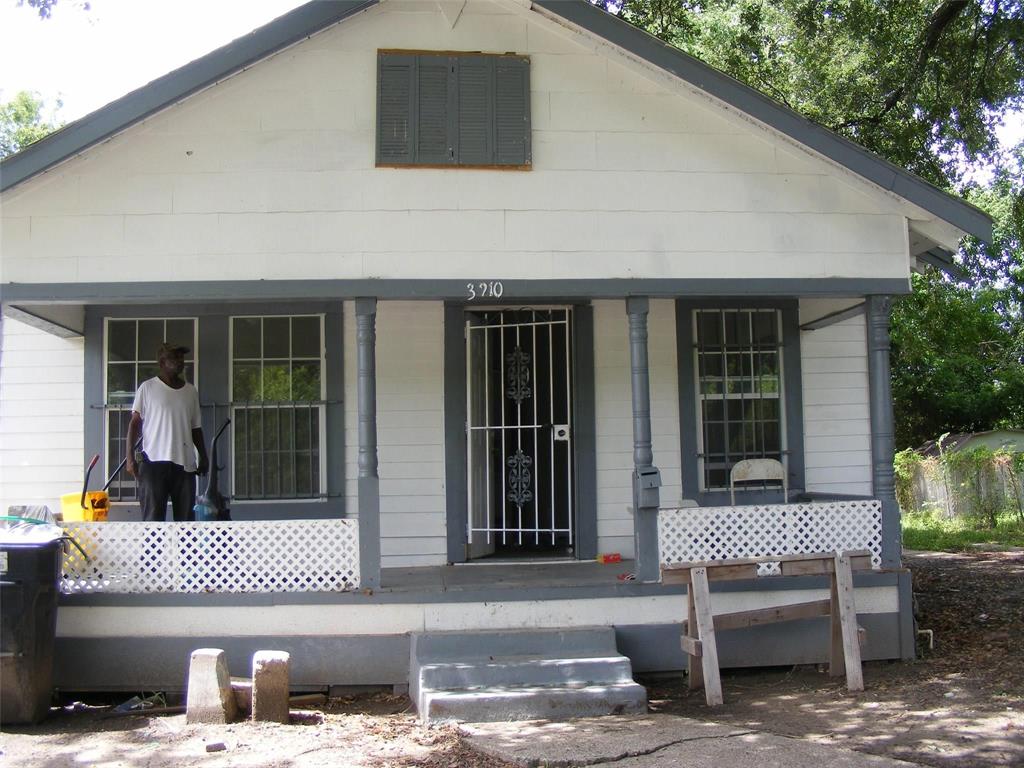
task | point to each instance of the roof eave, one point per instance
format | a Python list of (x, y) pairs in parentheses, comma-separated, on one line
[(136, 106)]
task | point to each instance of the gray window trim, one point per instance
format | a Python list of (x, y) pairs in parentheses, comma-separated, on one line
[(213, 387), (792, 391)]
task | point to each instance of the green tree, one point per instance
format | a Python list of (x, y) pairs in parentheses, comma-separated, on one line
[(958, 362), (22, 122), (45, 7)]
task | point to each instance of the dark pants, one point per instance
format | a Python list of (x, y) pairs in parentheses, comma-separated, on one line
[(163, 480)]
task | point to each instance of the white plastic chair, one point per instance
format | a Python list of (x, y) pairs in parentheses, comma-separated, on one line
[(757, 469)]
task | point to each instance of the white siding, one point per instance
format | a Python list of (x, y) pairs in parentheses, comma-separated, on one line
[(41, 416), (837, 442), (270, 174), (613, 395), (410, 430)]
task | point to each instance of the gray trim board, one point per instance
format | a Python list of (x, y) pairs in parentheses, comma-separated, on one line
[(175, 86), (833, 317), (793, 398), (870, 166), (515, 291), (455, 470), (942, 259), (40, 323), (584, 431), (428, 594)]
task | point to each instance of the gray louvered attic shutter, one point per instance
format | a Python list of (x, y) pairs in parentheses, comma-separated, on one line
[(395, 108), (475, 75), (434, 118), (512, 111)]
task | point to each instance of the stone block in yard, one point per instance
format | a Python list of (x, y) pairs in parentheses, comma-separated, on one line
[(210, 698), (270, 686)]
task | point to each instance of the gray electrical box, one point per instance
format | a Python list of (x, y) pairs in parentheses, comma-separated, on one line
[(646, 483)]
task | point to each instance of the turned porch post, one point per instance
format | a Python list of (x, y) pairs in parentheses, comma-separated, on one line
[(369, 482), (883, 442), (646, 479)]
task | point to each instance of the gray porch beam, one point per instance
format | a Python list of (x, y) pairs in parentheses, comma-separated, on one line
[(514, 291), (369, 481), (646, 478), (883, 442)]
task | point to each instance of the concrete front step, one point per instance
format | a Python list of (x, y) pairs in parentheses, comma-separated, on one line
[(488, 676), (526, 671), (542, 702)]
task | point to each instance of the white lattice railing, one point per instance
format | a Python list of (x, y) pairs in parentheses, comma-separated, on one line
[(242, 556), (698, 534)]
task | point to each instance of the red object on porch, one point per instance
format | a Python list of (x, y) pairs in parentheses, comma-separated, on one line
[(610, 557)]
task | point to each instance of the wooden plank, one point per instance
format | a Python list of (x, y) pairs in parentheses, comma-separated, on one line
[(758, 616), (725, 571), (817, 567), (706, 634), (694, 670), (836, 660), (691, 646), (848, 624)]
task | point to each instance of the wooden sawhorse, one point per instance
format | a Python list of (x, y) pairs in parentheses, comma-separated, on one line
[(698, 639)]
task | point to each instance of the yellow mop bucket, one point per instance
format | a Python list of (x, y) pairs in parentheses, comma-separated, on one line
[(88, 506)]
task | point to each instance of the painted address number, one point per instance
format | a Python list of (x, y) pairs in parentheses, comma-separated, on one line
[(486, 290)]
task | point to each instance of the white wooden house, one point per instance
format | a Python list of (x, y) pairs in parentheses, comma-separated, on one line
[(481, 281)]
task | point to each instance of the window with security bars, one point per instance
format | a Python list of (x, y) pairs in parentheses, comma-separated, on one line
[(739, 387), (453, 109), (277, 404), (130, 357)]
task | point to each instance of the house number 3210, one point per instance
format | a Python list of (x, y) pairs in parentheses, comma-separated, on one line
[(487, 290)]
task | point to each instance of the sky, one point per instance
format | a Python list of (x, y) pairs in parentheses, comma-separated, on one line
[(87, 59)]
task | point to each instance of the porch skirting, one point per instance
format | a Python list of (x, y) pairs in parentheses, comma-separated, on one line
[(143, 642)]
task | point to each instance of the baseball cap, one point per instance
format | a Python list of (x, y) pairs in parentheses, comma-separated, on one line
[(168, 348)]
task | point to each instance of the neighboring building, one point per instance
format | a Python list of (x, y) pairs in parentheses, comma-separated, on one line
[(1009, 440), (462, 274)]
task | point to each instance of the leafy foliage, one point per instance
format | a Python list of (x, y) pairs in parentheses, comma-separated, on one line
[(45, 7), (22, 122), (958, 362)]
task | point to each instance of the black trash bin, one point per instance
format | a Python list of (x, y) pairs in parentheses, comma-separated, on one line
[(29, 575)]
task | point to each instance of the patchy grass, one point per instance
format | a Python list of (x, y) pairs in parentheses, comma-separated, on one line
[(932, 531)]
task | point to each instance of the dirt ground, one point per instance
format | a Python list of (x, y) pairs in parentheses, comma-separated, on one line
[(961, 704)]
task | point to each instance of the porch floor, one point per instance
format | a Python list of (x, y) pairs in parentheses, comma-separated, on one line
[(477, 577)]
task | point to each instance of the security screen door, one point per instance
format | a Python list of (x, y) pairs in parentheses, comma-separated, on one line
[(519, 432)]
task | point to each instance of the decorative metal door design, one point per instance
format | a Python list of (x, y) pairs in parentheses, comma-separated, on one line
[(519, 432)]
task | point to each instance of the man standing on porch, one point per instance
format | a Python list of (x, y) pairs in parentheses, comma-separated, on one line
[(166, 410)]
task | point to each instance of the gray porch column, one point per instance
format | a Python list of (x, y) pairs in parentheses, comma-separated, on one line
[(883, 443), (369, 482), (646, 478)]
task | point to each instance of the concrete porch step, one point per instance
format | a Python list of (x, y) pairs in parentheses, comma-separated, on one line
[(487, 676), (526, 671), (541, 702)]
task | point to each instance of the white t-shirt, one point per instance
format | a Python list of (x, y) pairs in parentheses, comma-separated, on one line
[(168, 417)]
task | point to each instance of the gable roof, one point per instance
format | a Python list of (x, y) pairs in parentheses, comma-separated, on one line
[(319, 14)]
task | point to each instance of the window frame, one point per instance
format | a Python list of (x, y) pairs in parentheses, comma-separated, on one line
[(214, 394), (321, 405), (453, 124), (109, 407), (689, 402), (726, 397)]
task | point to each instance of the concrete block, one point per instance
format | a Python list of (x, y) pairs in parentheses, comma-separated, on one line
[(242, 689), (270, 686), (209, 698)]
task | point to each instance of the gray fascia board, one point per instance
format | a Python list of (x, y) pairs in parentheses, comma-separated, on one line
[(866, 164), (515, 291), (942, 260), (174, 86)]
